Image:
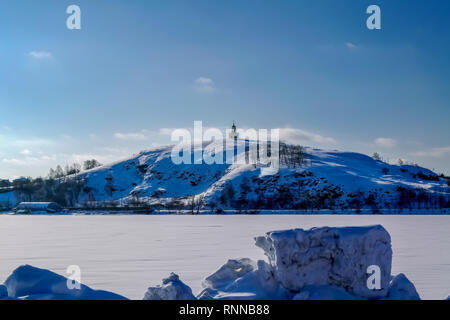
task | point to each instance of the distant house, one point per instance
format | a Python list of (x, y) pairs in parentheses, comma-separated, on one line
[(37, 207), (20, 180)]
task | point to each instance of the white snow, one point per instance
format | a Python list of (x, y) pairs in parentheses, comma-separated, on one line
[(330, 256), (171, 289), (317, 264), (321, 263), (31, 283), (400, 288), (256, 283), (127, 254), (229, 272)]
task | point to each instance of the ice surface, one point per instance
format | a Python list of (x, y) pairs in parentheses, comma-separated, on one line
[(128, 259), (317, 264), (171, 289), (330, 256)]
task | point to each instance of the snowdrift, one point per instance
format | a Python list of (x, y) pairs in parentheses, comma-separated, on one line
[(31, 283)]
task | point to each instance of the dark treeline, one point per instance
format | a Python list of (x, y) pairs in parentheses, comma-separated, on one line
[(304, 193), (293, 156), (62, 186), (65, 192)]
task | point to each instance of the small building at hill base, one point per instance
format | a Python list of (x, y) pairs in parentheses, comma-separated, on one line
[(29, 207)]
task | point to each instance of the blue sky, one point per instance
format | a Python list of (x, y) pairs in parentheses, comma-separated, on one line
[(138, 68)]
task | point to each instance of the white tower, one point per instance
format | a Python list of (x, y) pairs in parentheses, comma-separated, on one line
[(233, 133)]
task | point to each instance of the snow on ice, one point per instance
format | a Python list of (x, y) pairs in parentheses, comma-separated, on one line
[(316, 264)]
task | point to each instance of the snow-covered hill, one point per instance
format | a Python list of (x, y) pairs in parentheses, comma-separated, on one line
[(330, 179)]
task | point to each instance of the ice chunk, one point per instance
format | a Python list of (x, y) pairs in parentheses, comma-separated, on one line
[(330, 256), (229, 272), (401, 288), (31, 283), (172, 288), (257, 284)]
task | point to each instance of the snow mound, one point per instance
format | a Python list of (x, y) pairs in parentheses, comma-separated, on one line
[(229, 272), (172, 289), (401, 288), (249, 283), (31, 283), (330, 256), (3, 292)]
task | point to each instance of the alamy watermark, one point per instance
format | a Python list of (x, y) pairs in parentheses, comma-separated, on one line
[(73, 22), (74, 277), (374, 279), (234, 146), (374, 20)]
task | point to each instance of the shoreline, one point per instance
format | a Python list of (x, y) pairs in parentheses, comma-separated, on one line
[(362, 212)]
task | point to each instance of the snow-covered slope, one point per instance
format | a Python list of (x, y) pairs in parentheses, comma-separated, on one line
[(330, 179)]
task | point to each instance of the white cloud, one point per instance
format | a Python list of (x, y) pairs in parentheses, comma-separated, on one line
[(41, 55), (26, 152), (350, 45), (102, 158), (29, 161), (433, 152), (289, 135), (205, 85), (137, 136), (36, 142), (385, 142), (166, 131), (34, 156), (294, 135)]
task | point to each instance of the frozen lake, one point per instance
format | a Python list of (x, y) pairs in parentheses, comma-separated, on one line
[(126, 254)]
